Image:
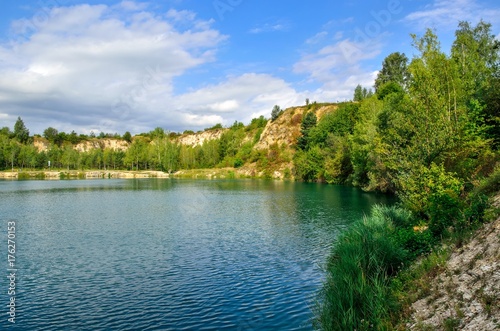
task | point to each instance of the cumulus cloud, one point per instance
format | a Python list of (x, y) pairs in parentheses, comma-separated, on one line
[(95, 67), (339, 66), (240, 97), (447, 13)]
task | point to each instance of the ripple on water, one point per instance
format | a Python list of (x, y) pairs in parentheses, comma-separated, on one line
[(122, 255)]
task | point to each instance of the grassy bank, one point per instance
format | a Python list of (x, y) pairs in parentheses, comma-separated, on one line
[(372, 274)]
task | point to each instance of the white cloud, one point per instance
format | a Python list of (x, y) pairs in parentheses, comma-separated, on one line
[(271, 27), (239, 97), (317, 38), (447, 14), (100, 67), (339, 67)]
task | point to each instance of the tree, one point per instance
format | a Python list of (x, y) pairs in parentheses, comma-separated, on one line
[(275, 113), (361, 93), (127, 137), (20, 131), (157, 133), (394, 69), (307, 124), (358, 93), (476, 53), (51, 134)]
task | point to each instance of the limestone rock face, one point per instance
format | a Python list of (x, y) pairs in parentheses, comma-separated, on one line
[(41, 144), (197, 139), (467, 292), (286, 128), (116, 144)]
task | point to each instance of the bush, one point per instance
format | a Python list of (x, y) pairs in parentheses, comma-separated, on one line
[(238, 163), (434, 194)]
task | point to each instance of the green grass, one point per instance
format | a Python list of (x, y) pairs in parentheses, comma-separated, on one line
[(356, 294)]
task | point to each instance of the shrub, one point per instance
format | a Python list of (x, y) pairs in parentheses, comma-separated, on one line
[(238, 163), (433, 193)]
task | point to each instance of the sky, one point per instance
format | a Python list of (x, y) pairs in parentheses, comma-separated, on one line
[(111, 66)]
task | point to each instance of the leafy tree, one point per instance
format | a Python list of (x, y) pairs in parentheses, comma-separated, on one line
[(361, 93), (257, 123), (388, 88), (5, 131), (157, 133), (127, 137), (275, 113), (51, 134), (358, 93), (394, 69), (476, 53), (20, 131), (73, 138)]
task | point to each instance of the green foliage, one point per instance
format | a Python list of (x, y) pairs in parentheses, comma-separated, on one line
[(308, 122), (394, 69), (435, 194), (356, 294), (238, 163), (257, 123), (489, 185), (389, 88), (361, 93), (309, 164), (20, 131), (52, 135), (217, 126), (340, 123)]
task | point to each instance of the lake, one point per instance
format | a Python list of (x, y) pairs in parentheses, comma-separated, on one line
[(165, 254)]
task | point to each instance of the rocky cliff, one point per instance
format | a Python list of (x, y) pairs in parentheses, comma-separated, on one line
[(116, 144), (286, 128), (199, 138), (42, 144)]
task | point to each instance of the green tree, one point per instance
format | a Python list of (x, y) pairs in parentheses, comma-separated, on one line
[(361, 93), (127, 137), (476, 52), (308, 122), (20, 131), (394, 69), (275, 113), (51, 134), (358, 93)]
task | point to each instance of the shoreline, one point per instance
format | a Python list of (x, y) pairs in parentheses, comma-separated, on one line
[(223, 173)]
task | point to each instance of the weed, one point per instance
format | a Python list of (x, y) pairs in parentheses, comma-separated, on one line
[(451, 324)]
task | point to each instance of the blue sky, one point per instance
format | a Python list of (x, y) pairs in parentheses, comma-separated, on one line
[(188, 64)]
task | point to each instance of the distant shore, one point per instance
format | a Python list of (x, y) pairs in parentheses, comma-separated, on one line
[(224, 173)]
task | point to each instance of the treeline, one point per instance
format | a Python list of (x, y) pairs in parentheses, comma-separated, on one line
[(155, 150), (430, 134), (432, 121)]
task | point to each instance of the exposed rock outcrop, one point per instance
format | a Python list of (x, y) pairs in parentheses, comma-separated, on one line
[(197, 139), (466, 295), (116, 144)]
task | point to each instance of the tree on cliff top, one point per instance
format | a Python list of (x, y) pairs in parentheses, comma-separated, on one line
[(20, 131)]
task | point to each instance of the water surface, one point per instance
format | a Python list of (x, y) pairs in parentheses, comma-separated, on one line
[(160, 254)]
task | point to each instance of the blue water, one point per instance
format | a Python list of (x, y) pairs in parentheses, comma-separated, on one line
[(160, 254)]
